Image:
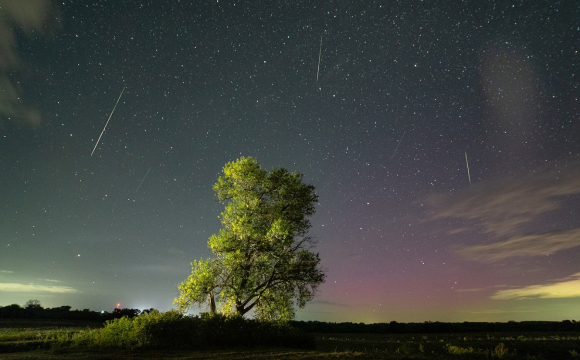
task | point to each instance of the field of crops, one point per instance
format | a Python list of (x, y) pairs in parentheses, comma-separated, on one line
[(24, 341), (546, 346)]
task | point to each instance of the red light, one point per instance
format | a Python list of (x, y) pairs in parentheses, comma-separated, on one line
[(119, 305)]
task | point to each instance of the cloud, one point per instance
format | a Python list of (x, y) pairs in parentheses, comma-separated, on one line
[(523, 245), (50, 280), (479, 289), (566, 288), (14, 287), (30, 16), (503, 207), (6, 272), (470, 290)]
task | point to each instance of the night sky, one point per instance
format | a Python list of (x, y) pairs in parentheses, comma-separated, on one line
[(407, 91)]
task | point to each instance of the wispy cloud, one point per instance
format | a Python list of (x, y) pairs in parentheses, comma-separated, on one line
[(523, 245), (51, 280), (15, 287), (470, 290), (32, 17), (6, 272), (503, 207), (480, 289), (565, 288)]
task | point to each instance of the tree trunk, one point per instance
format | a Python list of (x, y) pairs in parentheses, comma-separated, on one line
[(241, 309), (212, 303)]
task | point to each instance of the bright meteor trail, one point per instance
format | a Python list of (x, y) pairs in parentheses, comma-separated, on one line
[(319, 57), (107, 123), (467, 163)]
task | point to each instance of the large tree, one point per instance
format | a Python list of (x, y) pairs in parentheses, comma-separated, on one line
[(262, 254)]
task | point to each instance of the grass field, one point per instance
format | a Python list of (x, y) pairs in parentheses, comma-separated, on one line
[(33, 340)]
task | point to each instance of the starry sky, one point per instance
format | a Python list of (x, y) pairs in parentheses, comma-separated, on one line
[(443, 139)]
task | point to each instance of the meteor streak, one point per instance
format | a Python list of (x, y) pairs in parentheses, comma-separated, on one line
[(467, 163), (107, 123), (398, 144), (319, 56), (143, 179)]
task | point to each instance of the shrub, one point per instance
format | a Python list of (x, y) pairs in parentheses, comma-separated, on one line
[(173, 330), (500, 351), (456, 350)]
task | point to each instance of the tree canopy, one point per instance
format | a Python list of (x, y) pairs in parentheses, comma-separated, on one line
[(262, 254)]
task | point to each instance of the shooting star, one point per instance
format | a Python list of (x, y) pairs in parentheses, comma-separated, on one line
[(107, 123), (143, 179), (467, 163), (398, 144), (319, 57)]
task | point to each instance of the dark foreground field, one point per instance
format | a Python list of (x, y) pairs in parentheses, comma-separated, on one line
[(33, 340)]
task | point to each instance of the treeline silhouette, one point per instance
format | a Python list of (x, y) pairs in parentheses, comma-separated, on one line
[(35, 311), (436, 327)]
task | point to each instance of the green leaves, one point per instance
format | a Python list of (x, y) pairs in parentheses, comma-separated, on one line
[(262, 252), (200, 284)]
